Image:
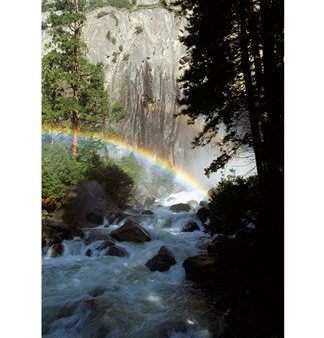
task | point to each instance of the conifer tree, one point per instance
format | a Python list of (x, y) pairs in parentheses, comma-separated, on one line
[(73, 92)]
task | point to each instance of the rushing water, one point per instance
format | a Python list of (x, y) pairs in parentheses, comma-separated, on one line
[(107, 297)]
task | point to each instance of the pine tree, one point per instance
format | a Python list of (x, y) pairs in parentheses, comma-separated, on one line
[(73, 92)]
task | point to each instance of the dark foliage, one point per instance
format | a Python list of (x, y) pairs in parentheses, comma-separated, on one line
[(234, 205)]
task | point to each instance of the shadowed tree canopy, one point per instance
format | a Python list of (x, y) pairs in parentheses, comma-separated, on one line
[(234, 77)]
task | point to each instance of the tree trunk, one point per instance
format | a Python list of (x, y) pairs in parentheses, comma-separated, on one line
[(250, 90)]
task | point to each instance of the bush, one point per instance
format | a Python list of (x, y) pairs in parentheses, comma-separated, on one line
[(234, 204), (61, 172)]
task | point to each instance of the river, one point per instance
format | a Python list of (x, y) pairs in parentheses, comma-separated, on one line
[(109, 297)]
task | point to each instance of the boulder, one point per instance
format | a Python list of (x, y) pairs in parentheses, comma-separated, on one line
[(106, 244), (97, 235), (57, 250), (193, 204), (203, 204), (131, 232), (203, 214), (53, 233), (180, 207), (190, 227), (201, 268), (118, 251), (147, 212), (162, 261), (116, 217), (87, 205), (88, 253)]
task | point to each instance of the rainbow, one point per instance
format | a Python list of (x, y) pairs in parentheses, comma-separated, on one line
[(165, 164)]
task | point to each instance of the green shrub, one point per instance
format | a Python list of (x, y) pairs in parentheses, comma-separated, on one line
[(234, 204), (61, 172), (138, 29), (93, 4), (113, 40), (120, 47), (126, 57), (108, 35)]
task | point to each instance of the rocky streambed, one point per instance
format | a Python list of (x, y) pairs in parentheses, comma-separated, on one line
[(127, 279)]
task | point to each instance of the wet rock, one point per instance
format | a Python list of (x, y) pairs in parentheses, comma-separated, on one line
[(57, 250), (203, 204), (190, 227), (105, 244), (147, 212), (97, 235), (180, 207), (170, 199), (162, 261), (201, 267), (97, 291), (117, 251), (88, 253), (193, 204), (203, 214), (116, 217), (131, 232), (54, 233)]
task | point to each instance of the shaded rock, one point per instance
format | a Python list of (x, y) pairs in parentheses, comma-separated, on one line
[(97, 235), (190, 227), (87, 205), (106, 244), (203, 214), (97, 291), (200, 268), (203, 204), (117, 251), (162, 261), (54, 233), (88, 253), (116, 217), (180, 207), (56, 250), (95, 218), (131, 232), (147, 212)]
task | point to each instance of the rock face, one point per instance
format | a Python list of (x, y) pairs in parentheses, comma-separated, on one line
[(162, 261), (190, 227), (131, 232), (140, 52), (87, 205), (180, 207)]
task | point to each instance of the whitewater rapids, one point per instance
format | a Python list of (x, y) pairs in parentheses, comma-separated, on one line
[(113, 297)]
